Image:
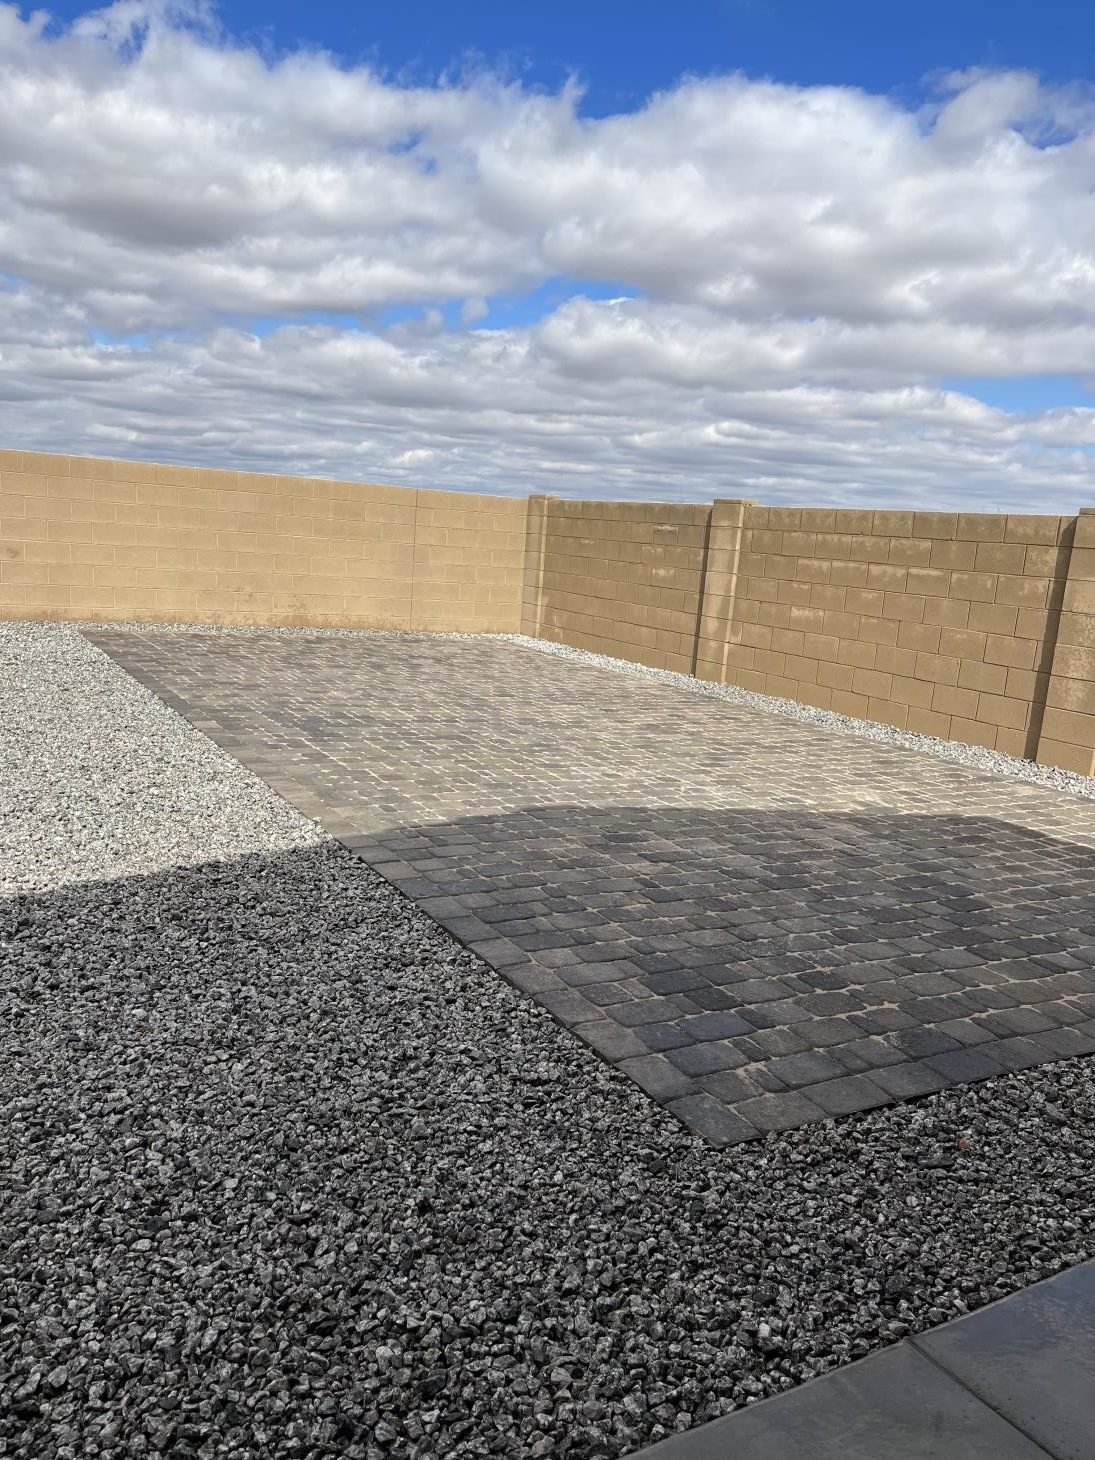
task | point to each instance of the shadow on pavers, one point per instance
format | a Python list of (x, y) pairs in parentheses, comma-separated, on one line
[(754, 970)]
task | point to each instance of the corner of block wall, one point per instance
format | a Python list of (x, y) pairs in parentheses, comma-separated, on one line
[(1068, 728)]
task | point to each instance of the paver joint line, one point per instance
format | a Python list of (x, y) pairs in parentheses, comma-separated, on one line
[(760, 923)]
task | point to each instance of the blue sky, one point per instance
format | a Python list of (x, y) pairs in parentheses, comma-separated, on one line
[(798, 251), (625, 51)]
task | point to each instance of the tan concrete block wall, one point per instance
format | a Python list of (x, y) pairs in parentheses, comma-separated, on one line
[(620, 578), (975, 627), (83, 538), (468, 566), (941, 623)]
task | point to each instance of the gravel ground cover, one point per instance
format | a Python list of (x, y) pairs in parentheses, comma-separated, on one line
[(287, 1172)]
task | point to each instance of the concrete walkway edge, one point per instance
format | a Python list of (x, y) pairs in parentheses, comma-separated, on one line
[(1012, 1381)]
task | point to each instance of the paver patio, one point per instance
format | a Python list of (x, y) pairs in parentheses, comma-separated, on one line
[(760, 922)]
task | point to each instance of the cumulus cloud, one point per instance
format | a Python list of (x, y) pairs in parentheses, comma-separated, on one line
[(215, 255)]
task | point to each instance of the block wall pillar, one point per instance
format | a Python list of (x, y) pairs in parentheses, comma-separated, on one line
[(718, 638), (1068, 726), (536, 531)]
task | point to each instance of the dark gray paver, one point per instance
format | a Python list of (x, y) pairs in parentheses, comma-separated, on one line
[(743, 912), (1016, 1379)]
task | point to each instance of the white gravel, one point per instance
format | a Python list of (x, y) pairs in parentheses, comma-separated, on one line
[(994, 762), (287, 1172)]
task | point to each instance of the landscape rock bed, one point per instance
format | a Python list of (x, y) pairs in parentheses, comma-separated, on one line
[(289, 1172)]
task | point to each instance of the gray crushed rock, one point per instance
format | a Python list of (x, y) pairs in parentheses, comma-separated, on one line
[(287, 1172)]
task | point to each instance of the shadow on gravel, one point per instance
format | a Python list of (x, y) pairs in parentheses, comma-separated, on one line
[(288, 1173)]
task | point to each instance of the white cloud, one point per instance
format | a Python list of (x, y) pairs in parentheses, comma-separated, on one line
[(810, 263)]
